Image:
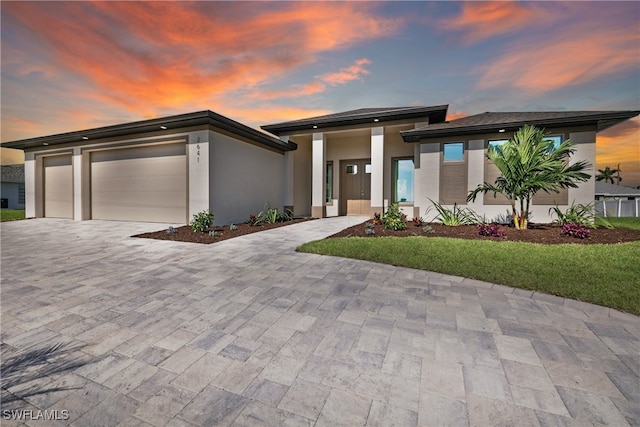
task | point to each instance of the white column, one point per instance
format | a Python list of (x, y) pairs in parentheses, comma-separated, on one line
[(318, 154), (198, 155), (289, 189), (77, 184), (30, 185), (377, 169)]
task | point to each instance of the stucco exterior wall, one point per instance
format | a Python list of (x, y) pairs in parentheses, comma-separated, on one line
[(302, 176), (428, 174), (242, 178)]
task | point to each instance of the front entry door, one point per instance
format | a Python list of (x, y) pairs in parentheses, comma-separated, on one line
[(355, 187)]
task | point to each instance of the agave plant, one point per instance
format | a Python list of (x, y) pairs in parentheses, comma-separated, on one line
[(455, 216)]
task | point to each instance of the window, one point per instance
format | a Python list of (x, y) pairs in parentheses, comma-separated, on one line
[(453, 152), (352, 169), (329, 182), (557, 140), (403, 180), (367, 168), (453, 174), (21, 195), (496, 144)]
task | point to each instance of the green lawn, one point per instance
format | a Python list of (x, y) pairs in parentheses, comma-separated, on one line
[(607, 275), (633, 223), (11, 214)]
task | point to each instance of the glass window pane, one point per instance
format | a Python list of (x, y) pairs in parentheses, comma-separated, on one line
[(329, 183), (367, 168), (404, 180), (454, 152), (352, 169), (557, 140)]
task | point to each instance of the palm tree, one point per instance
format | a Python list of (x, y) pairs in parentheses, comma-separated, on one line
[(528, 163), (608, 174)]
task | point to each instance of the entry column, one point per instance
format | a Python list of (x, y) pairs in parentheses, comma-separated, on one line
[(318, 154), (377, 169)]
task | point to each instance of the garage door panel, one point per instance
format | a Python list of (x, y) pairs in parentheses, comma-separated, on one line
[(137, 184), (58, 187), (140, 184)]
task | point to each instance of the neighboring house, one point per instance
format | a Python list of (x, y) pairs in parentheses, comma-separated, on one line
[(12, 191), (616, 200), (355, 162)]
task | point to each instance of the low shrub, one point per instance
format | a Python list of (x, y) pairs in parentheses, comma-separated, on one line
[(574, 229), (271, 215), (428, 230), (202, 221), (171, 230), (369, 229), (394, 219), (490, 230), (418, 221), (455, 216), (377, 218), (581, 214), (233, 227)]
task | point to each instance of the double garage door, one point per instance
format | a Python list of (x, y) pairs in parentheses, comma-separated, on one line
[(129, 184)]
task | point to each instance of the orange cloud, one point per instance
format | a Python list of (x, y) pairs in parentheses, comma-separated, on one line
[(480, 20), (455, 115), (544, 65), (345, 75), (150, 56)]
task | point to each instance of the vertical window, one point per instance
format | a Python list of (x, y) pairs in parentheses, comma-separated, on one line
[(453, 174), (21, 195), (329, 182), (453, 152), (403, 180), (556, 139)]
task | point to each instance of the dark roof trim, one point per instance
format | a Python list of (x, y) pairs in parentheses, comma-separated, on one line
[(356, 117), (169, 124), (510, 122)]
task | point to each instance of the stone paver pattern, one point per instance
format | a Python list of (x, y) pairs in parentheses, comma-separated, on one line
[(248, 332)]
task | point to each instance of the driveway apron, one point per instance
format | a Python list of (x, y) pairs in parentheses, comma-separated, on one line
[(102, 329)]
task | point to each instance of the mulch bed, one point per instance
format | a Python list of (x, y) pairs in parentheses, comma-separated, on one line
[(536, 233), (186, 234)]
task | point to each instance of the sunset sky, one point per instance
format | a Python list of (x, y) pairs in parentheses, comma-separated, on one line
[(75, 65)]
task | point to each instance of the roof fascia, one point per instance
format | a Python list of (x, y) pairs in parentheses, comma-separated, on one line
[(171, 123), (372, 118), (602, 122)]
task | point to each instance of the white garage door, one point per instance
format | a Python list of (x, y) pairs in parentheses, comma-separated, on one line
[(140, 184), (58, 187)]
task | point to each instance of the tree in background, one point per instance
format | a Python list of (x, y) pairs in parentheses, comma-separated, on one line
[(608, 174)]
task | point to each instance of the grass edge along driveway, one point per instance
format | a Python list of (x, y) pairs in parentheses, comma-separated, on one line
[(607, 275)]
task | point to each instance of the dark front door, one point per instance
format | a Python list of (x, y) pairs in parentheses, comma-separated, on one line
[(355, 187)]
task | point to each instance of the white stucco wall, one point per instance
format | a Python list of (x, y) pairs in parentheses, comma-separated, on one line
[(428, 174), (242, 178), (30, 185), (198, 169)]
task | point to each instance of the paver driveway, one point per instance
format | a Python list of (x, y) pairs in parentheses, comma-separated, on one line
[(249, 332)]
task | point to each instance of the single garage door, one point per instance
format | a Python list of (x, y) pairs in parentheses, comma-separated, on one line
[(58, 187), (140, 184)]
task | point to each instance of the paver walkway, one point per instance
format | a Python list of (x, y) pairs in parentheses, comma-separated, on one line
[(248, 332)]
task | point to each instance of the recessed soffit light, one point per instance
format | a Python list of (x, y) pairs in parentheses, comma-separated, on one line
[(85, 137), (163, 127), (376, 120), (502, 130), (45, 143), (315, 126)]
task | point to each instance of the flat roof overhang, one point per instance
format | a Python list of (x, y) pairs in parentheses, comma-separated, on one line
[(167, 124), (602, 121), (436, 114)]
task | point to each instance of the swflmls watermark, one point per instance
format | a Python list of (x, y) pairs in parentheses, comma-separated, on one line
[(30, 414)]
